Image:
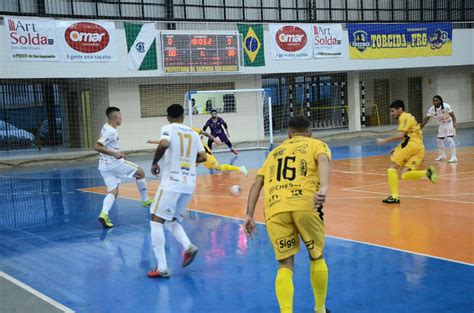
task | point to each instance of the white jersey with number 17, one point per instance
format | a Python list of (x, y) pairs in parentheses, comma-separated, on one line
[(178, 169)]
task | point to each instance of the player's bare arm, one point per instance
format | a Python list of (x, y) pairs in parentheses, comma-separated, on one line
[(249, 223), (214, 139), (153, 142), (425, 121), (397, 137), (454, 119), (160, 151), (101, 149), (324, 165)]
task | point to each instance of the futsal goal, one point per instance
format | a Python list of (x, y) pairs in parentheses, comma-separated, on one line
[(247, 112)]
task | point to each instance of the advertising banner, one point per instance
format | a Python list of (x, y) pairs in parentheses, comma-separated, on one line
[(384, 41)]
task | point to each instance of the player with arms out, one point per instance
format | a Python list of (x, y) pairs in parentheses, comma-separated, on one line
[(408, 155), (447, 127), (212, 163), (113, 166), (295, 179), (181, 149), (217, 126)]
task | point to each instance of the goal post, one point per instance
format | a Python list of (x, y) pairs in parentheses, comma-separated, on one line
[(248, 113)]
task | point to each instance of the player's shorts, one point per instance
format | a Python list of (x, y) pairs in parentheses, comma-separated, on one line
[(211, 162), (112, 174), (410, 155), (170, 205), (446, 130), (286, 228)]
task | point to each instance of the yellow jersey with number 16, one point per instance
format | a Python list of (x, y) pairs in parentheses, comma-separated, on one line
[(291, 175)]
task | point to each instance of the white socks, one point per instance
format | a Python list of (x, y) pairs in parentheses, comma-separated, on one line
[(158, 241), (178, 232), (441, 148), (141, 186), (108, 202), (452, 146)]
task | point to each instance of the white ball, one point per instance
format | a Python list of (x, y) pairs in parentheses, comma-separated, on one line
[(235, 190)]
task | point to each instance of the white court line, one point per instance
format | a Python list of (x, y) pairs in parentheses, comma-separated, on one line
[(35, 292), (357, 172), (352, 240), (341, 238)]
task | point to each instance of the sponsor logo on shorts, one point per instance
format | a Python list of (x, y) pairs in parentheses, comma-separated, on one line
[(309, 244), (287, 243)]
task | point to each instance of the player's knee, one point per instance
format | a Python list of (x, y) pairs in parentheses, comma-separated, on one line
[(451, 142), (114, 192), (170, 225), (440, 142), (321, 257), (288, 262), (139, 174)]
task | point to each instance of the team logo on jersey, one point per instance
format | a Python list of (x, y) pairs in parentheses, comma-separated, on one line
[(273, 199), (185, 166)]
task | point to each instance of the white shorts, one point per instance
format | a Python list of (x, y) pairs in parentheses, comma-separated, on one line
[(446, 130), (170, 205), (112, 175)]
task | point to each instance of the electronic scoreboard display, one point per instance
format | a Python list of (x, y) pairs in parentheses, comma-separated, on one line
[(196, 53)]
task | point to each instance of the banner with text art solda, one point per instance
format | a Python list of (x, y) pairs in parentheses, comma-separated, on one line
[(31, 39), (87, 41)]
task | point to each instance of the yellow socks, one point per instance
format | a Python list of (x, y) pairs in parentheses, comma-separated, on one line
[(228, 167), (319, 281), (284, 289), (393, 182), (414, 175)]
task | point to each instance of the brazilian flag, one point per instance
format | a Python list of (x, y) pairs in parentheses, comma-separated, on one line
[(252, 44)]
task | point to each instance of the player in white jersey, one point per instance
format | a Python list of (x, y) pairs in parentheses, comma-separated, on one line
[(181, 148), (113, 166), (447, 127)]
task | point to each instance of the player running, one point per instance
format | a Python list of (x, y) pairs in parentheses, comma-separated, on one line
[(113, 166)]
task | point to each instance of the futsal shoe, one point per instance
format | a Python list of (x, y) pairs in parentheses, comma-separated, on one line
[(233, 151), (146, 203), (453, 160), (440, 158), (244, 171), (189, 255), (391, 200), (155, 273), (105, 220), (431, 174)]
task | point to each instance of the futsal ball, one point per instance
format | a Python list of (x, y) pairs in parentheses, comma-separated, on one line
[(235, 190)]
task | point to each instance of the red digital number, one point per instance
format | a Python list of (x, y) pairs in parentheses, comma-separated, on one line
[(229, 41), (170, 41), (202, 53), (171, 53), (231, 53)]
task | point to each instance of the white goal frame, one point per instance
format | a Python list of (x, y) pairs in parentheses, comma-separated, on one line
[(265, 92)]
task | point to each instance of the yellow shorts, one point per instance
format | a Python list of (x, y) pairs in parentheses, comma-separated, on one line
[(211, 162), (409, 156), (286, 228)]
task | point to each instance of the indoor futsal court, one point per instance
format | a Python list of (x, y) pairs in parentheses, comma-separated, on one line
[(413, 257), (106, 106)]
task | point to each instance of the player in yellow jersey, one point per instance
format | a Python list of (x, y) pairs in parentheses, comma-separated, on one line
[(294, 179), (212, 163), (408, 155)]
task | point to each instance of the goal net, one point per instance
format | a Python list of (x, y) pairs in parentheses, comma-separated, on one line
[(246, 112)]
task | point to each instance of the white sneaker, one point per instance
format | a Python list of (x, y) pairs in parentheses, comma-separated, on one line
[(244, 171), (440, 158), (453, 160)]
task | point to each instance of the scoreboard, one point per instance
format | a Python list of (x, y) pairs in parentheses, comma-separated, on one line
[(197, 53)]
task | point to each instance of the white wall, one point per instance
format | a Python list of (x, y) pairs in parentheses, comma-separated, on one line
[(454, 84), (134, 132)]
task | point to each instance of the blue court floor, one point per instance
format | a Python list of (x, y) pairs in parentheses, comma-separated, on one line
[(50, 240)]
